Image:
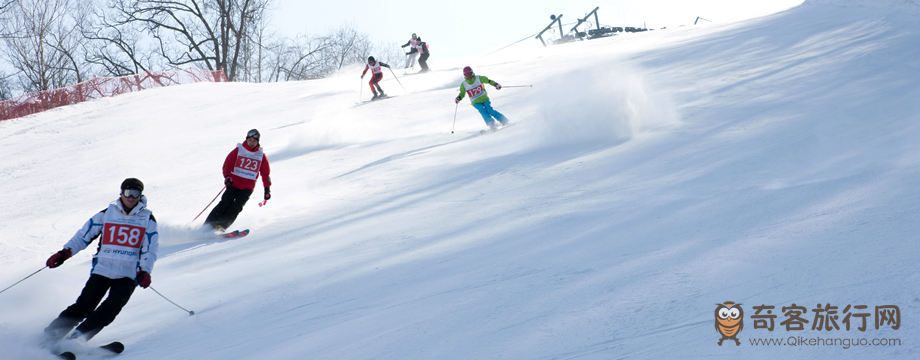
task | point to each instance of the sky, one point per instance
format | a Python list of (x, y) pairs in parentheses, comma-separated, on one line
[(468, 28), (642, 181)]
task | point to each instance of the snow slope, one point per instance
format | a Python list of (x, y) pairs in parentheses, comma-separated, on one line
[(648, 177)]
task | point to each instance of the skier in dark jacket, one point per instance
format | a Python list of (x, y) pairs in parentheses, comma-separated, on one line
[(241, 169), (423, 59), (126, 251)]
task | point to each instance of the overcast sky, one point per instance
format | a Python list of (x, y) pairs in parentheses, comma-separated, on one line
[(474, 27)]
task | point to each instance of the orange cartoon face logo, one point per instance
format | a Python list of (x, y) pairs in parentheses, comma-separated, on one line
[(729, 321)]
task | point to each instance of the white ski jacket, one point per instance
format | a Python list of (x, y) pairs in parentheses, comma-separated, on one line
[(129, 240)]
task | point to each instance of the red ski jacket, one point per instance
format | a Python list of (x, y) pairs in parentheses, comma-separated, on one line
[(244, 183)]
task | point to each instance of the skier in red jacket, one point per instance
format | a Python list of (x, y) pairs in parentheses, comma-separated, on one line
[(242, 168), (377, 74)]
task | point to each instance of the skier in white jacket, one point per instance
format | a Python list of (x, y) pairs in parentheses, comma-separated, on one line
[(125, 253)]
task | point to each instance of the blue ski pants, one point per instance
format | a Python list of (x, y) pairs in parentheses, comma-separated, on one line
[(487, 112)]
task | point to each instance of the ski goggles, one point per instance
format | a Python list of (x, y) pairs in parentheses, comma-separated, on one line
[(131, 193), (253, 134)]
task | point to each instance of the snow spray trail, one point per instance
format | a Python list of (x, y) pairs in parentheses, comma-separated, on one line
[(599, 103)]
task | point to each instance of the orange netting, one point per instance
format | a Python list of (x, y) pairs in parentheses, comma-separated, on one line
[(100, 87)]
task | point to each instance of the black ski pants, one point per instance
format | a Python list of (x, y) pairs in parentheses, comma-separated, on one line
[(85, 309), (423, 61), (229, 207)]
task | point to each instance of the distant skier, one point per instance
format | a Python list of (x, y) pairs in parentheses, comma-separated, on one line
[(472, 85), (241, 169), (128, 243), (413, 52), (423, 60), (377, 74)]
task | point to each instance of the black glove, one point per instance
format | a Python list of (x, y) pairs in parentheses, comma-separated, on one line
[(268, 193), (58, 258), (228, 180), (457, 100), (362, 76), (386, 66)]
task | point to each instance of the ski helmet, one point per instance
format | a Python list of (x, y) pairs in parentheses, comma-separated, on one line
[(133, 184), (468, 72), (371, 59), (253, 134)]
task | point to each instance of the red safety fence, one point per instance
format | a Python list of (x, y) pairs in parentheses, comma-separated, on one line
[(100, 87)]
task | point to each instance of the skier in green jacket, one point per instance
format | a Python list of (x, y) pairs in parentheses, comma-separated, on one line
[(473, 85)]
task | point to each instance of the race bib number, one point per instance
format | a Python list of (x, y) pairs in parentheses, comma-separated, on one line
[(248, 164), (123, 235), (475, 92)]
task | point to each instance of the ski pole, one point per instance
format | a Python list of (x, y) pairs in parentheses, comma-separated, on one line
[(397, 79), (177, 305), (263, 203), (455, 118), (209, 204), (24, 279), (503, 86), (361, 92)]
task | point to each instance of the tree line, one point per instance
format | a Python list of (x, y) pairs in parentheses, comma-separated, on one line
[(48, 44)]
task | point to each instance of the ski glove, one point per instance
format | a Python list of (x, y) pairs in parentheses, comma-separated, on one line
[(498, 86), (362, 76), (457, 100), (268, 193), (58, 258), (228, 180), (143, 279)]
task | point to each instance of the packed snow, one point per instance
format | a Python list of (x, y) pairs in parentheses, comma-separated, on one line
[(647, 178)]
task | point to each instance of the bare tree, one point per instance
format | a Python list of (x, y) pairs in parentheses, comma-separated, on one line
[(390, 53), (204, 33), (44, 47), (304, 59), (5, 6), (6, 88), (347, 46), (256, 46), (117, 48)]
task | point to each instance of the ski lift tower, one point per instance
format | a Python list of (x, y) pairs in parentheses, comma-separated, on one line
[(580, 21), (698, 20), (554, 19)]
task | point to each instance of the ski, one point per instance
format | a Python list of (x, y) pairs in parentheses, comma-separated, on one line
[(115, 347), (379, 98), (234, 234), (483, 132), (227, 235)]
